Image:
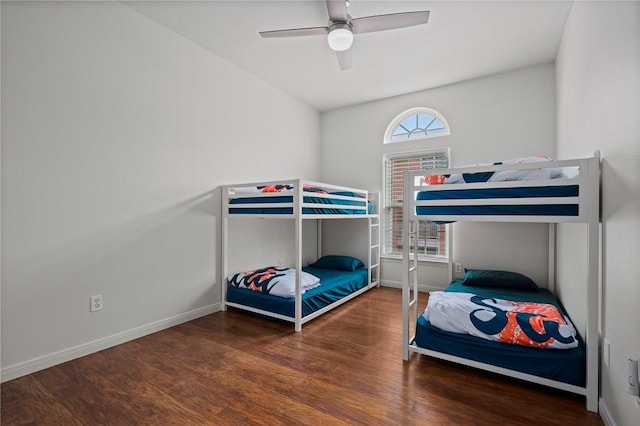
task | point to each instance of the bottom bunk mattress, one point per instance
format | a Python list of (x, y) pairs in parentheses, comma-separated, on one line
[(334, 285), (563, 365)]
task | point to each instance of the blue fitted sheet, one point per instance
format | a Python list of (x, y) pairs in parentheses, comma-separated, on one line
[(334, 285), (564, 365), (560, 209), (289, 210)]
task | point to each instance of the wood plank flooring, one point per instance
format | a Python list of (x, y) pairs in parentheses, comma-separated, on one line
[(232, 368)]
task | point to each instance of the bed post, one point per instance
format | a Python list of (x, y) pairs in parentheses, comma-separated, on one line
[(297, 202), (551, 277), (593, 278), (318, 239), (450, 250), (369, 257), (225, 242)]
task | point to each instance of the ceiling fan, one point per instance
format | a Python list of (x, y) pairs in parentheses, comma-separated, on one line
[(342, 27)]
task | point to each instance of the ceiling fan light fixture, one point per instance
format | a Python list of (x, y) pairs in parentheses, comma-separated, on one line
[(340, 37)]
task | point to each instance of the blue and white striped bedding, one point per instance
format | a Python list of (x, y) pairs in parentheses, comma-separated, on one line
[(477, 191), (245, 205)]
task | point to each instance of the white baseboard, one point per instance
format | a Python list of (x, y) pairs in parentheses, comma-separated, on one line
[(36, 364), (604, 414)]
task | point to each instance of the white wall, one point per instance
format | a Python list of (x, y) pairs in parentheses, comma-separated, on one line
[(254, 243), (116, 133), (500, 117), (598, 72)]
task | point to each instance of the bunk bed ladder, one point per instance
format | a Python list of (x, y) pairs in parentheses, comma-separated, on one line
[(374, 251), (410, 284), (409, 266)]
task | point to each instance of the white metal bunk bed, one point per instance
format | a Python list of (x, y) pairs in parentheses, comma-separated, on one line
[(583, 208), (299, 200)]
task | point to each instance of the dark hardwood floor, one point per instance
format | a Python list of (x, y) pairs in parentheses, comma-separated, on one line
[(232, 368)]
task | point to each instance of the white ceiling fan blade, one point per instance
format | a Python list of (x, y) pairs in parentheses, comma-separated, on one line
[(295, 32), (337, 10), (390, 21), (344, 59)]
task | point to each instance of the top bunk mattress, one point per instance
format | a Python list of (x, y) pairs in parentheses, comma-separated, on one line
[(487, 195), (526, 189), (279, 199)]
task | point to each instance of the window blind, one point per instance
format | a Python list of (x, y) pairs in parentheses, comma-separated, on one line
[(433, 237), (395, 166)]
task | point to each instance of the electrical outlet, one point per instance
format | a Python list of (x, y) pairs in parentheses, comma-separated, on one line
[(96, 303), (458, 267), (632, 376), (606, 352)]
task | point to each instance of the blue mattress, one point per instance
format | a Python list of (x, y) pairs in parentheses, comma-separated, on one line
[(334, 285), (564, 365), (560, 209), (305, 210)]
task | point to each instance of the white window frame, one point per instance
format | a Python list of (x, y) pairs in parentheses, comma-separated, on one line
[(402, 152), (388, 135)]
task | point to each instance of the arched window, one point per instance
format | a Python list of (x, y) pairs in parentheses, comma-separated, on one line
[(412, 125), (416, 123)]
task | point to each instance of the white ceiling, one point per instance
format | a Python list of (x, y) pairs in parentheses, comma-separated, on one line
[(463, 40)]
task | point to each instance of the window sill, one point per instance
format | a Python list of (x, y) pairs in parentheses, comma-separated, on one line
[(433, 260)]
